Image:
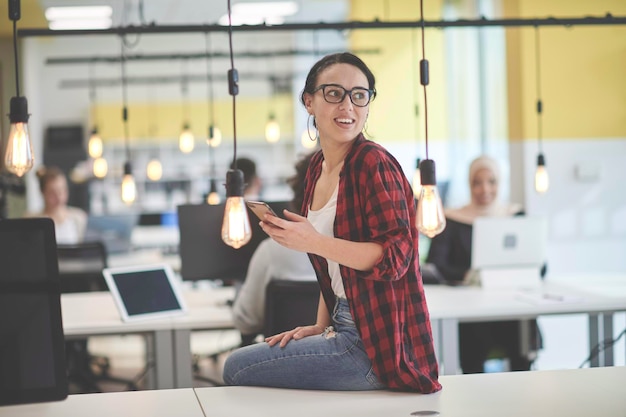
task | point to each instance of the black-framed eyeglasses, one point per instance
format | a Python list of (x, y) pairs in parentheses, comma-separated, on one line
[(334, 93)]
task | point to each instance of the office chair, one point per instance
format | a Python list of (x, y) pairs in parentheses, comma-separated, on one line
[(289, 304), (80, 270)]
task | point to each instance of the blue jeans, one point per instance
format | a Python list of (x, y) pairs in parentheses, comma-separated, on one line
[(335, 360)]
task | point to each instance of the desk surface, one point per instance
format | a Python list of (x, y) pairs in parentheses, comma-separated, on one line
[(156, 403), (571, 393)]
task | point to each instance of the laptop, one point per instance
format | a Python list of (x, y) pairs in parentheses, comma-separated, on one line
[(145, 292), (509, 251), (32, 344), (113, 230)]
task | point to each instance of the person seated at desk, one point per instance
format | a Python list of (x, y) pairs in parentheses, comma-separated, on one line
[(69, 222), (271, 261), (449, 258), (252, 182)]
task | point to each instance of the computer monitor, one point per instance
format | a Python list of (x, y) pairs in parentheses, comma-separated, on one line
[(203, 254), (32, 346)]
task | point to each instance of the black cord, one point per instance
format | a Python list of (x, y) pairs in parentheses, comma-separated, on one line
[(209, 79), (538, 78), (15, 57), (232, 84), (603, 345), (125, 103), (424, 76)]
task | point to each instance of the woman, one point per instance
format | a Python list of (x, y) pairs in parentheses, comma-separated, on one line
[(451, 252), (358, 227), (69, 222)]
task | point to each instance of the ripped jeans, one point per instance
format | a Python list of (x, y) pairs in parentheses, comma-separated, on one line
[(335, 360)]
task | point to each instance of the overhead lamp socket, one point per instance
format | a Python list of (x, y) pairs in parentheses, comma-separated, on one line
[(14, 10), (427, 172), (18, 112), (234, 183)]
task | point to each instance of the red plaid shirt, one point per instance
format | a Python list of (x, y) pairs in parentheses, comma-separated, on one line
[(375, 204)]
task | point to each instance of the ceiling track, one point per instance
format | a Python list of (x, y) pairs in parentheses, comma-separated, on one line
[(607, 19)]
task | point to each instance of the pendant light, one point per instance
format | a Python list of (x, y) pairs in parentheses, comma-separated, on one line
[(94, 146), (541, 175), (19, 157), (272, 128), (236, 230), (186, 140), (129, 188), (430, 217), (213, 140), (154, 168)]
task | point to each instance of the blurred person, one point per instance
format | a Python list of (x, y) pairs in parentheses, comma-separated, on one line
[(271, 261), (252, 181), (449, 258), (69, 222)]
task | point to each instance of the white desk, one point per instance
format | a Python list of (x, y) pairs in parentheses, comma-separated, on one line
[(572, 393), (168, 339), (161, 403), (448, 306)]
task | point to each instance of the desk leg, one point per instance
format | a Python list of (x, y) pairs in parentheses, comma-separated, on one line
[(594, 339), (182, 359), (607, 334), (163, 354), (449, 333)]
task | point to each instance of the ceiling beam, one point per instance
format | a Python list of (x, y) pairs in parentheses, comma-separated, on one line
[(607, 19)]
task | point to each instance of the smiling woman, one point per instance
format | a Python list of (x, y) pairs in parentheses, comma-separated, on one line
[(357, 212)]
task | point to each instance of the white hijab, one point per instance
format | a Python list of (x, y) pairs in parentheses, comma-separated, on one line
[(471, 211)]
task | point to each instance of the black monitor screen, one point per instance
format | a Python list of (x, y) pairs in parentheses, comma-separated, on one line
[(32, 361), (203, 254)]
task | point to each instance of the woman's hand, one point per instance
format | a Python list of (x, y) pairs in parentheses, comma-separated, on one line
[(293, 232), (296, 334)]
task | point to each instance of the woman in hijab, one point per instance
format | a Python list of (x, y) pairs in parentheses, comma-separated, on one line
[(450, 256)]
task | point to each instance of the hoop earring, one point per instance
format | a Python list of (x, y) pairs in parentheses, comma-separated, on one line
[(308, 130)]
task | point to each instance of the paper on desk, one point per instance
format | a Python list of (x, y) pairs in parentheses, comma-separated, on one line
[(547, 298)]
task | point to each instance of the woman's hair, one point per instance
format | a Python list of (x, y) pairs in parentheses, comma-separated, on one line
[(338, 58), (47, 174), (296, 182)]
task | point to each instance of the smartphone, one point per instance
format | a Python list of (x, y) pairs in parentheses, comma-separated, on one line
[(260, 208)]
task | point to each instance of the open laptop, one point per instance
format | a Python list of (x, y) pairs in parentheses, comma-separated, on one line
[(114, 230), (509, 251), (144, 292)]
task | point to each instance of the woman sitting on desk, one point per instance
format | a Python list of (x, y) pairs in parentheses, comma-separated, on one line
[(450, 254)]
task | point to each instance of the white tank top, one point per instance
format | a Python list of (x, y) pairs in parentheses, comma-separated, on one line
[(323, 221)]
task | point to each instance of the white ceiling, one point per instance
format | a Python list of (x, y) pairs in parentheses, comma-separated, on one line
[(194, 12)]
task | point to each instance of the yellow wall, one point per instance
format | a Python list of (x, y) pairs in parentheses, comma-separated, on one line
[(583, 72), (163, 120), (392, 116)]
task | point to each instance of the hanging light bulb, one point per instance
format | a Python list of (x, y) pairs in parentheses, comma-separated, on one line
[(541, 174), (215, 136), (542, 182), (213, 198), (129, 189), (19, 158), (154, 169), (100, 167), (236, 230), (94, 145), (272, 129), (186, 140), (430, 216), (416, 183)]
